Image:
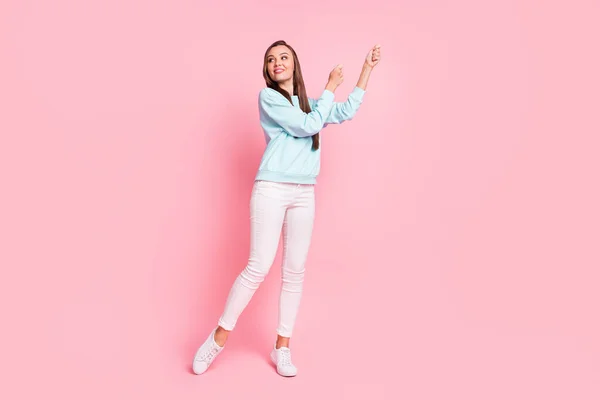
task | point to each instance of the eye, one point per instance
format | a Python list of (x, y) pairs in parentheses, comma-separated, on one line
[(284, 57)]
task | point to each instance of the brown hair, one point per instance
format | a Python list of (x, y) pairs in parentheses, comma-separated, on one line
[(299, 89)]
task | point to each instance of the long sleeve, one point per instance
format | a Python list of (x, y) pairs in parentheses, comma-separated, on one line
[(276, 108), (346, 110)]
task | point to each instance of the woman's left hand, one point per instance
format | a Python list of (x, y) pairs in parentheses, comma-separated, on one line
[(374, 56)]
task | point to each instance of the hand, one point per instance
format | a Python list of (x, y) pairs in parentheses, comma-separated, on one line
[(374, 56), (336, 77)]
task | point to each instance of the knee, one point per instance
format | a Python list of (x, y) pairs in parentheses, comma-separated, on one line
[(292, 279), (254, 273), (292, 268)]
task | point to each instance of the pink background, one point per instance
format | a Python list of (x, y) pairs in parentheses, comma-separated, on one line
[(455, 253)]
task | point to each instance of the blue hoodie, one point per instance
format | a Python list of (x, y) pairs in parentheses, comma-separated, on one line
[(289, 156)]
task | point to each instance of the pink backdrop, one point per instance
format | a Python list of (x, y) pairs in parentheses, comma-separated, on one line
[(455, 253)]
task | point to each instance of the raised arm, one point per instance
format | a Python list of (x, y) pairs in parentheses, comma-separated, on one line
[(345, 111), (371, 61), (276, 108)]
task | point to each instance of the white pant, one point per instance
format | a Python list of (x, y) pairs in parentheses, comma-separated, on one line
[(274, 206)]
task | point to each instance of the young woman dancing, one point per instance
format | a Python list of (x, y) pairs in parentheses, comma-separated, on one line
[(283, 197)]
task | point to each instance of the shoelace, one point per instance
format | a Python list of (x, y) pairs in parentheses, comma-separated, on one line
[(286, 357), (209, 355)]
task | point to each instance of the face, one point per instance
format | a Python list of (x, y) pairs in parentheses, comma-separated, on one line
[(280, 64)]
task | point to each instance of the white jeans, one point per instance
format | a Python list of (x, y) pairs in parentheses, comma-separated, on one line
[(274, 206)]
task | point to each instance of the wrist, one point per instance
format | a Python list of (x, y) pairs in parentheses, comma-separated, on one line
[(367, 67), (331, 87)]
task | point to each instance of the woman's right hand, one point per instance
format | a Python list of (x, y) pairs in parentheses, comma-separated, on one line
[(336, 77)]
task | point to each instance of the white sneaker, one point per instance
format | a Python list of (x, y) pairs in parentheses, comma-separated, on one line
[(206, 354), (282, 358)]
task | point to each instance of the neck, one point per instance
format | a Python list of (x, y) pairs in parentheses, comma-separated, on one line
[(288, 86)]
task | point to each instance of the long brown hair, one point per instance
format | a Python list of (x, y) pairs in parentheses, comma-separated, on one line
[(299, 89)]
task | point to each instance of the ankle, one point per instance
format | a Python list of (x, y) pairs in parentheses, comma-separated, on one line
[(221, 336), (282, 342)]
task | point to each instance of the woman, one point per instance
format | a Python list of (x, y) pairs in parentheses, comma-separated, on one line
[(283, 193)]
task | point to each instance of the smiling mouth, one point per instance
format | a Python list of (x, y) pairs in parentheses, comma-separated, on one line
[(278, 70)]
